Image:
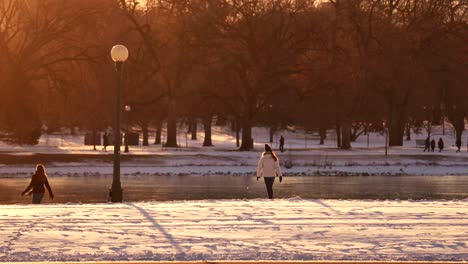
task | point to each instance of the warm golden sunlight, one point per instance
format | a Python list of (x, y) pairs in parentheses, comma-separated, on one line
[(234, 131)]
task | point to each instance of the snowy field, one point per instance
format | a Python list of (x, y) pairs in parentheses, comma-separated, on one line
[(302, 151), (283, 229), (290, 229)]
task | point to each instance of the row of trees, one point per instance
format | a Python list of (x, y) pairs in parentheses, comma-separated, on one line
[(352, 65)]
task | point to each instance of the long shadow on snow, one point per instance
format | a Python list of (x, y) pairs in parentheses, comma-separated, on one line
[(159, 227)]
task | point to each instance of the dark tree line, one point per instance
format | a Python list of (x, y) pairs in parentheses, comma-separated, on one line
[(348, 65)]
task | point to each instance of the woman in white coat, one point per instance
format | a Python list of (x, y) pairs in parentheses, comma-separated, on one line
[(269, 168)]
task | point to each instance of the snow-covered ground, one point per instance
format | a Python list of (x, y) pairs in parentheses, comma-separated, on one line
[(290, 229), (284, 229), (302, 151)]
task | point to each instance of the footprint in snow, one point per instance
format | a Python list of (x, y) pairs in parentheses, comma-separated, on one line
[(213, 247), (116, 249)]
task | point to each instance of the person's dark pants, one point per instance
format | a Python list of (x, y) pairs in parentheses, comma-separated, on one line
[(37, 198), (269, 185)]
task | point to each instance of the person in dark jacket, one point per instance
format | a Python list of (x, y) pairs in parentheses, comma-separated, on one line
[(458, 143), (440, 144), (269, 168), (427, 145), (432, 145), (105, 141), (281, 146), (36, 186)]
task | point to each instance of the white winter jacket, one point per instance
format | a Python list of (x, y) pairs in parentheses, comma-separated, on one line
[(268, 167)]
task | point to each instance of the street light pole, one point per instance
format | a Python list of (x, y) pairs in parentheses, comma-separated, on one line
[(386, 137), (128, 108), (119, 54), (386, 141)]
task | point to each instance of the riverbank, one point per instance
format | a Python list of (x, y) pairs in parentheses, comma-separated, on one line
[(65, 155), (217, 162), (284, 229)]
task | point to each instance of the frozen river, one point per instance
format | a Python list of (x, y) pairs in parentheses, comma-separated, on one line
[(94, 189)]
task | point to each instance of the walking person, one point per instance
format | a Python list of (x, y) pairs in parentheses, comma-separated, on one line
[(281, 146), (458, 143), (427, 145), (105, 141), (432, 145), (36, 186), (440, 144), (269, 168)]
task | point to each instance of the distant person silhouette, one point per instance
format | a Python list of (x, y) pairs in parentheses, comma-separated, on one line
[(105, 141), (281, 146), (268, 168), (36, 186), (458, 144), (427, 145), (440, 144), (432, 145)]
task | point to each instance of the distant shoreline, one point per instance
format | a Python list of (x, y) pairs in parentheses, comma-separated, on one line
[(233, 164)]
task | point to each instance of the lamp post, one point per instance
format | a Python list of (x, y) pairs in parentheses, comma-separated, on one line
[(442, 110), (128, 108), (386, 137), (119, 54)]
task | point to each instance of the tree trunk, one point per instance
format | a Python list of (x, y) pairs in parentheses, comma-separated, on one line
[(237, 134), (94, 139), (157, 139), (338, 135), (144, 127), (346, 135), (408, 132), (207, 128), (437, 116), (395, 135), (323, 135), (171, 133), (354, 134), (171, 138), (458, 134), (396, 128), (194, 129), (220, 121), (247, 141)]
